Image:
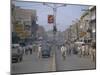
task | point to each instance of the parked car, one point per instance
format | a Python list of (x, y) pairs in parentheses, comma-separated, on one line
[(17, 55)]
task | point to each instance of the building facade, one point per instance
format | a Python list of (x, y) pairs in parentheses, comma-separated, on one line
[(92, 22), (88, 25), (24, 22), (84, 26)]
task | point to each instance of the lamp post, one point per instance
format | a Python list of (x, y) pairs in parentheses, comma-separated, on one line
[(54, 7)]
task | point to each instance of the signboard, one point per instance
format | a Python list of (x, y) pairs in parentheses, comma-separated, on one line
[(25, 34), (19, 29), (50, 19)]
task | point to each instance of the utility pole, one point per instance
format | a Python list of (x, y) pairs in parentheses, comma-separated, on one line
[(54, 7), (54, 26)]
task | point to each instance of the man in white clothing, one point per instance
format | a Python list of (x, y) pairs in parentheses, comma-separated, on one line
[(63, 51), (39, 51)]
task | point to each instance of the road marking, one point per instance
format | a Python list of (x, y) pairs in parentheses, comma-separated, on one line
[(52, 65)]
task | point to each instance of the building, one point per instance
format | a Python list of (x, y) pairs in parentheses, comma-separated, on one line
[(23, 24), (84, 26), (41, 33), (69, 36), (12, 17), (74, 32), (92, 22), (88, 25), (83, 29)]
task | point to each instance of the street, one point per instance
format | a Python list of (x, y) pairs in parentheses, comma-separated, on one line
[(49, 37), (33, 64), (73, 62)]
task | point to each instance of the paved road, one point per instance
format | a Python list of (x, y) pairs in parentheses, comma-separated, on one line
[(31, 63), (72, 62)]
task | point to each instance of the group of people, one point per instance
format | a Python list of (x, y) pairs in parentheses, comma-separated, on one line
[(66, 49), (29, 49), (87, 50), (81, 50), (34, 48)]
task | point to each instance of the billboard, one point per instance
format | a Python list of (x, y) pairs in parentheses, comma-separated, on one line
[(50, 19)]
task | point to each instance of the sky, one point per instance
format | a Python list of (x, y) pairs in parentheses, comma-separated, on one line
[(65, 15)]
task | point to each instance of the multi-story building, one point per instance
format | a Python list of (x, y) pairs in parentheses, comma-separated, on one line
[(12, 17), (69, 34), (74, 31), (83, 29), (41, 32), (92, 22), (88, 25), (24, 22), (84, 26)]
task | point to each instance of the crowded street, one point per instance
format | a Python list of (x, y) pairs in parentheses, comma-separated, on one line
[(48, 37), (32, 63)]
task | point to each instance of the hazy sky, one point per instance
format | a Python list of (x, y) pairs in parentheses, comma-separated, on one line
[(64, 18)]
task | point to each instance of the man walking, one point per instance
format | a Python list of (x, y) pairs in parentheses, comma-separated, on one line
[(39, 51), (63, 51)]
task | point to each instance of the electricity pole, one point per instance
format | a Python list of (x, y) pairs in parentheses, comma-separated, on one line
[(54, 7)]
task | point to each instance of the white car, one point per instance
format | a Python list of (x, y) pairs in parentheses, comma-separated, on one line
[(17, 54)]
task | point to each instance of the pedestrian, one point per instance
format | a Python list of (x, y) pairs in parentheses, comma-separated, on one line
[(79, 50), (87, 49), (83, 49), (30, 48), (34, 47), (26, 50), (39, 51), (72, 48), (63, 51), (68, 48), (93, 52)]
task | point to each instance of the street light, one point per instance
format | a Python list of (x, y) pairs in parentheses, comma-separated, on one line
[(54, 12), (54, 7)]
